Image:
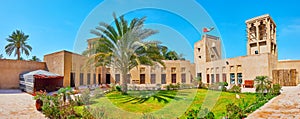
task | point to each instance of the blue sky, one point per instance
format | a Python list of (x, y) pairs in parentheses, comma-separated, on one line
[(65, 24)]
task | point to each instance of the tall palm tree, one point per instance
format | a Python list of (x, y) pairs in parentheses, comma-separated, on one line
[(262, 84), (124, 47), (18, 44)]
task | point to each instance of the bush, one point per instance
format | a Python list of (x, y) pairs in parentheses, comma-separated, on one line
[(98, 93), (95, 112), (168, 87), (206, 114), (55, 107), (112, 86), (77, 101), (223, 84), (201, 85), (118, 88), (186, 86), (199, 114), (51, 107), (173, 86), (234, 112), (223, 88), (214, 86), (235, 89), (276, 88), (244, 105), (85, 97), (86, 113), (260, 101)]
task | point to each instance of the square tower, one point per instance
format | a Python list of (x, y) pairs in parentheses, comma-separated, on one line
[(261, 35), (208, 49)]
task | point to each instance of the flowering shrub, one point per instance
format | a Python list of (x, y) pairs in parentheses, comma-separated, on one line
[(61, 105)]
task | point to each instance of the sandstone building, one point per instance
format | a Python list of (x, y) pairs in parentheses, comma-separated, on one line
[(261, 58), (72, 67)]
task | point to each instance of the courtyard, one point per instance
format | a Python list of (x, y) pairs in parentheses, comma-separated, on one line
[(15, 104)]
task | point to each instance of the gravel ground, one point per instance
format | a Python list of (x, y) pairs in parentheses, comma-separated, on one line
[(284, 106), (17, 105)]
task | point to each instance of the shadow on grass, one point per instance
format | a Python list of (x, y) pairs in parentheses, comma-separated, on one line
[(139, 97), (92, 102)]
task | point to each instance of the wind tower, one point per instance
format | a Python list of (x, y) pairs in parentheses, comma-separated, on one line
[(261, 35)]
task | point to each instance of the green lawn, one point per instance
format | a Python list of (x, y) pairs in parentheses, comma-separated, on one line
[(166, 104)]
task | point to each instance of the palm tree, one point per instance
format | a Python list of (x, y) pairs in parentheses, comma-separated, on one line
[(35, 58), (21, 58), (262, 84), (170, 55), (1, 56), (18, 44), (163, 50), (124, 47)]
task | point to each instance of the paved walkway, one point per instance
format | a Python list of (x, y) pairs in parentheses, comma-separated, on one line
[(284, 106), (17, 105)]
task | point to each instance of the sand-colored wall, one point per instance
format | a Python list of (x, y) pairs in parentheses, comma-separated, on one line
[(290, 64), (11, 69), (55, 62), (158, 70), (250, 67), (65, 62)]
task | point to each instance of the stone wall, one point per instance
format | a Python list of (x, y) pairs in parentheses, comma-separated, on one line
[(64, 63), (291, 64), (11, 69), (284, 77)]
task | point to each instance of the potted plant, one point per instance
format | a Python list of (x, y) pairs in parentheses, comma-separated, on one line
[(39, 104), (39, 100)]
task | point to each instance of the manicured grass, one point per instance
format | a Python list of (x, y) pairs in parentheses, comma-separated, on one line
[(218, 105), (142, 101), (167, 104)]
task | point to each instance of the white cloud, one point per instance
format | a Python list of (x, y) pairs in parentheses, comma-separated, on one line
[(292, 28)]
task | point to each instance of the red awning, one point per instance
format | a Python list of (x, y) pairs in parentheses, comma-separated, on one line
[(41, 76)]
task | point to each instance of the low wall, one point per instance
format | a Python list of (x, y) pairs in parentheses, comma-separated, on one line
[(11, 69)]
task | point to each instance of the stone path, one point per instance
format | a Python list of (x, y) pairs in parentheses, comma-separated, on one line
[(18, 105), (284, 106)]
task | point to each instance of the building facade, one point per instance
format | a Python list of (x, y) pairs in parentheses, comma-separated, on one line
[(261, 58), (73, 67)]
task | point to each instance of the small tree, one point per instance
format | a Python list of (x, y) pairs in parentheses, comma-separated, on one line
[(65, 94), (276, 88), (262, 83)]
